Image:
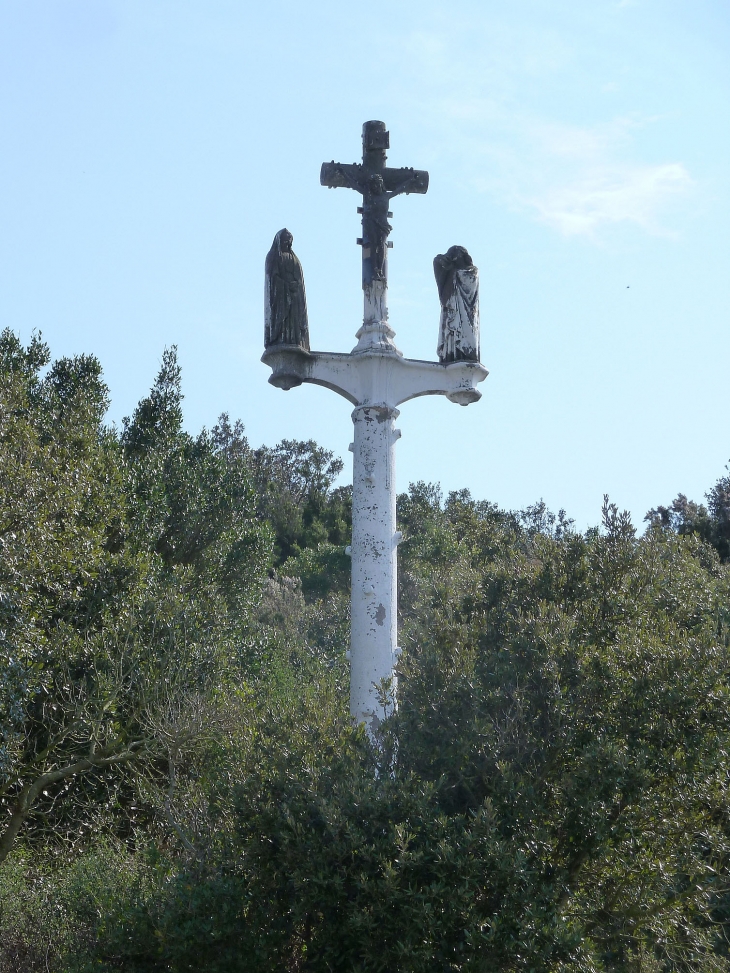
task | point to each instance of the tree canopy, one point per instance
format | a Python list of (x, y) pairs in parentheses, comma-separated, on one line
[(182, 787), (128, 563)]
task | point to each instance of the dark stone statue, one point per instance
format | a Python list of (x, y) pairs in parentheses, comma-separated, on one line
[(457, 280), (285, 303), (375, 225)]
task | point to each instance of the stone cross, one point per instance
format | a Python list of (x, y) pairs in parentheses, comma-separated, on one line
[(376, 379)]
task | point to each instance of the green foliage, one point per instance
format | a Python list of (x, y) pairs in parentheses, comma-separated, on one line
[(577, 687), (551, 795), (52, 918), (129, 568), (711, 522), (321, 570), (294, 483), (305, 642)]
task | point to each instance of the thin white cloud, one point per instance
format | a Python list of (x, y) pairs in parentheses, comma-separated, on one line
[(576, 179), (630, 195), (585, 144), (475, 90)]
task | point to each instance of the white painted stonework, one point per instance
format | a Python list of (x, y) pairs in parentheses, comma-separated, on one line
[(376, 379), (374, 619)]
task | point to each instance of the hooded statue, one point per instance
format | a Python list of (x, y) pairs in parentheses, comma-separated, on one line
[(285, 303), (457, 280)]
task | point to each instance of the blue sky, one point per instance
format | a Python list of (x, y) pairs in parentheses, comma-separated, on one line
[(579, 150)]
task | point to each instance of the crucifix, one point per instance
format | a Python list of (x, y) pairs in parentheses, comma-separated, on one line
[(376, 379)]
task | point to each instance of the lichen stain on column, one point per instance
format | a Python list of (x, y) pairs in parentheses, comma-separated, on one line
[(380, 614)]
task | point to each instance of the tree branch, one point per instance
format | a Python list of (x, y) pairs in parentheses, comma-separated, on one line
[(29, 793)]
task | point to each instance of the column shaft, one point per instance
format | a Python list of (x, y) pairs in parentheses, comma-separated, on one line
[(374, 625)]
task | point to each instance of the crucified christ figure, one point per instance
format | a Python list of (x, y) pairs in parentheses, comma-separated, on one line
[(378, 184), (375, 210)]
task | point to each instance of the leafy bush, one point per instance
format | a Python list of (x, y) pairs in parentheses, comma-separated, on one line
[(183, 788), (551, 794)]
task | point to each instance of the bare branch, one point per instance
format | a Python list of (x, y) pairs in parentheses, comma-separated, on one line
[(29, 793)]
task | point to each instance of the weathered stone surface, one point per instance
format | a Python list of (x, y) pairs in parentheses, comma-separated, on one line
[(457, 280)]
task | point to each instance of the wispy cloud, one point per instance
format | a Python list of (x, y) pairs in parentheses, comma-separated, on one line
[(628, 195), (577, 178), (478, 93)]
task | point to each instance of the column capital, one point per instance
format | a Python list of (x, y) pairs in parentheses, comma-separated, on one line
[(382, 412)]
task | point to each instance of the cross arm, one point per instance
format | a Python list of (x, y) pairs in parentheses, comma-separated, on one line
[(336, 175), (374, 379), (290, 366), (457, 380), (399, 181)]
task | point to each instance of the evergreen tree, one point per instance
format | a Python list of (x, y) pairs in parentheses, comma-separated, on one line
[(129, 567)]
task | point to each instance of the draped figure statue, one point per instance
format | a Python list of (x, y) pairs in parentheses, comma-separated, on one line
[(457, 280), (285, 303)]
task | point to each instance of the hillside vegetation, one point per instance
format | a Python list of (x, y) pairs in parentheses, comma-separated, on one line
[(181, 788)]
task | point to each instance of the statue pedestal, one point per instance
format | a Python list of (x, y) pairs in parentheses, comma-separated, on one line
[(375, 382)]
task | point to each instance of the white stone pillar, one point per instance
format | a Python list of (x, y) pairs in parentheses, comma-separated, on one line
[(375, 334), (374, 626)]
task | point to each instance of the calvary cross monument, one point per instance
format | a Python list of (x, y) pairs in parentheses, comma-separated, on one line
[(376, 379)]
